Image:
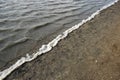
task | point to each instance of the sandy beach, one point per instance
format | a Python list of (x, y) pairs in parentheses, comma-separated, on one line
[(91, 52)]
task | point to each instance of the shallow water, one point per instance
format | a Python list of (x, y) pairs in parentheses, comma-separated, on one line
[(24, 22)]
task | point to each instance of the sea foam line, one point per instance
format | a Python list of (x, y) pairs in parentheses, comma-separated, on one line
[(47, 47)]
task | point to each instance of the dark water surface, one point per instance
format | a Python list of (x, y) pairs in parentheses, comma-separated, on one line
[(24, 22)]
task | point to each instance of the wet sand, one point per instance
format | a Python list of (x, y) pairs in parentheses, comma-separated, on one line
[(91, 52)]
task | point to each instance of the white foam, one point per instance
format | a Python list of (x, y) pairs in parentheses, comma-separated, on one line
[(47, 47)]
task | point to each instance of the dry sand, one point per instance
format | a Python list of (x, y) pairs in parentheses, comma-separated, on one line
[(92, 52)]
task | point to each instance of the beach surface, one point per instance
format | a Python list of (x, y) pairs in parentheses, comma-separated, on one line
[(91, 52)]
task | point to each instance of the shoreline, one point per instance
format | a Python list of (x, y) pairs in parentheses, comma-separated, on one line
[(87, 34)]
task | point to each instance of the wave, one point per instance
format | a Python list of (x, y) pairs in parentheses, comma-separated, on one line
[(47, 47), (22, 40)]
